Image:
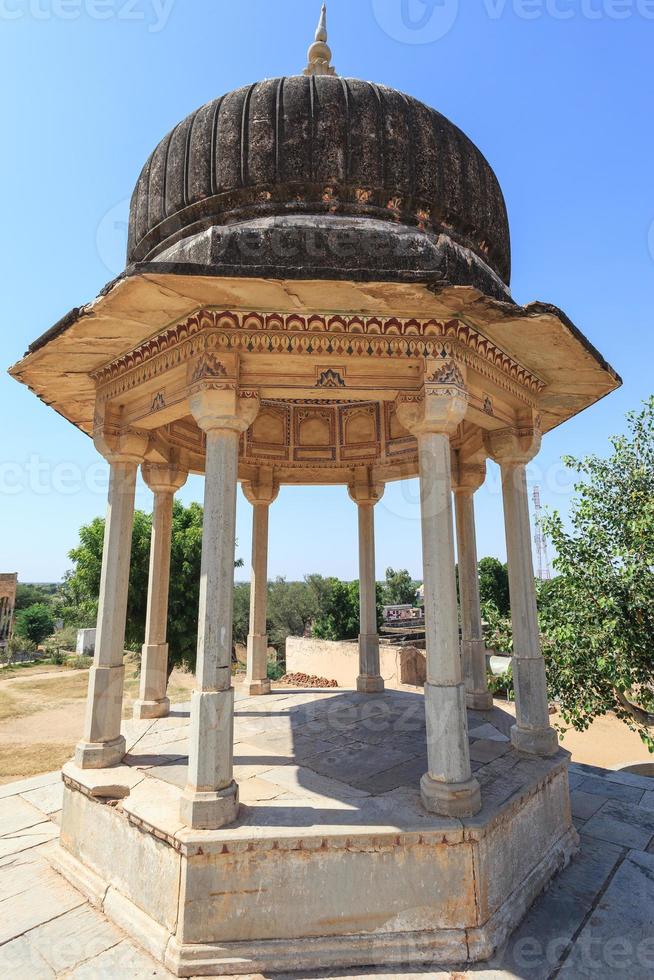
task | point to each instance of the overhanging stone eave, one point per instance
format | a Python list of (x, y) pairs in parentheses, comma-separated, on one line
[(144, 301)]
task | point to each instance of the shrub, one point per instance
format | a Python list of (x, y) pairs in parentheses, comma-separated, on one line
[(35, 623), (19, 645), (66, 638), (276, 670), (502, 685), (79, 662)]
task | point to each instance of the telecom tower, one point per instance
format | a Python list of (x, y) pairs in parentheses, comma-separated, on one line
[(540, 541)]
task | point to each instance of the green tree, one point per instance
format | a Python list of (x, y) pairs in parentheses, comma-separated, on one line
[(399, 589), (81, 587), (598, 622), (30, 595), (292, 607), (35, 623), (494, 585), (338, 614)]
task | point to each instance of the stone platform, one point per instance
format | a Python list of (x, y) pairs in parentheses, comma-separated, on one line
[(333, 861)]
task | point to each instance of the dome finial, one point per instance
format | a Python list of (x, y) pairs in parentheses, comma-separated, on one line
[(320, 54)]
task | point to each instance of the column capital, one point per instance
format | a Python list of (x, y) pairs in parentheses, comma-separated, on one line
[(220, 408), (363, 489), (216, 399), (467, 475), (441, 404), (513, 446), (163, 478), (262, 489), (119, 445)]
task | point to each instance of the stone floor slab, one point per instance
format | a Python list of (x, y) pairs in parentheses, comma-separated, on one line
[(19, 960), (618, 939), (121, 962), (48, 799), (49, 899), (25, 785), (17, 814), (540, 943), (585, 805), (74, 938), (622, 823), (609, 790), (647, 801), (30, 837)]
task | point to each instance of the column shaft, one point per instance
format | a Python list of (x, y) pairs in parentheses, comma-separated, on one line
[(370, 680), (211, 796), (152, 702), (257, 654), (473, 647), (102, 744), (448, 787), (533, 732)]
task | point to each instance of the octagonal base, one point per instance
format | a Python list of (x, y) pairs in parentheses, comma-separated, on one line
[(305, 881)]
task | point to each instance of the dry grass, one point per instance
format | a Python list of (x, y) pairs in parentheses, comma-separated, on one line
[(54, 706), (19, 762)]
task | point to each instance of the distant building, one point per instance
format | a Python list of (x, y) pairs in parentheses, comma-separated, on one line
[(8, 583), (400, 614)]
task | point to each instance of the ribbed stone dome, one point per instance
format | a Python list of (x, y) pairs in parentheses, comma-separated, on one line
[(358, 158)]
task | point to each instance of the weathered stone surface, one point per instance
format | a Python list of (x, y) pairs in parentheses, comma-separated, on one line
[(611, 790), (123, 960), (48, 799), (40, 903), (17, 814), (618, 940), (585, 805), (541, 941), (622, 823), (29, 837), (100, 837), (316, 161), (73, 938), (20, 960)]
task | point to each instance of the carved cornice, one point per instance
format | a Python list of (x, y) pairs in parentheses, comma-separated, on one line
[(291, 333)]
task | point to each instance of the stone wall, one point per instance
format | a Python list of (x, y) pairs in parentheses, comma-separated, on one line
[(339, 661)]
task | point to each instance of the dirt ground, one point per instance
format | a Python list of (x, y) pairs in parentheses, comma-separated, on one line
[(42, 715)]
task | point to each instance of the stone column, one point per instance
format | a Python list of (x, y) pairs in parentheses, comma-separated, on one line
[(102, 744), (261, 494), (152, 702), (532, 734), (365, 495), (210, 798), (469, 477), (448, 788)]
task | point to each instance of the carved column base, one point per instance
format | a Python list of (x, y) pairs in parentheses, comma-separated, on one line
[(100, 755), (450, 799), (257, 666), (151, 709), (543, 742), (209, 811), (152, 701), (479, 700), (367, 684), (257, 688)]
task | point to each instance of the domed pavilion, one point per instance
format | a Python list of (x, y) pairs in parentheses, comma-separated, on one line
[(317, 291)]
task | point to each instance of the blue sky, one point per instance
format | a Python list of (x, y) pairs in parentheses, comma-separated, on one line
[(556, 93)]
